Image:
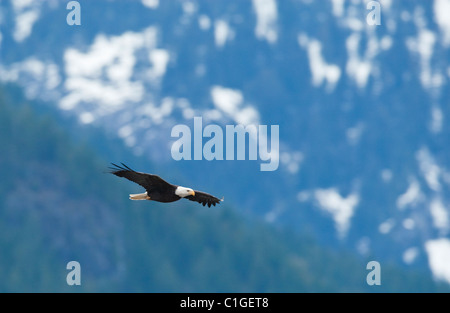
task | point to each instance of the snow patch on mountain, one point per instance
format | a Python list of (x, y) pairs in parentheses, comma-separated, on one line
[(204, 22), (438, 251), (441, 11), (231, 102), (159, 58), (292, 161), (152, 4), (423, 46), (42, 78), (437, 119), (26, 12), (341, 208), (355, 133), (364, 43), (222, 33), (440, 216), (386, 227), (24, 24), (429, 169), (338, 7), (104, 73), (321, 71), (411, 197), (357, 68), (410, 255), (266, 24)]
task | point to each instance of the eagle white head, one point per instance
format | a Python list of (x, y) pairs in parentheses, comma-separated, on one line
[(184, 192)]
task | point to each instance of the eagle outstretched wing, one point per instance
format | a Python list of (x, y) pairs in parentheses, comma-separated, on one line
[(204, 198), (148, 181)]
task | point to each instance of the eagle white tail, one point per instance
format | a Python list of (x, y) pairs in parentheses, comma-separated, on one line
[(140, 196)]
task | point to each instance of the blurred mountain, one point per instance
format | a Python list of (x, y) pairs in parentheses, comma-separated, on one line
[(364, 159), (58, 204)]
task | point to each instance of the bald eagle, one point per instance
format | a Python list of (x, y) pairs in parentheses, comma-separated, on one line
[(157, 189)]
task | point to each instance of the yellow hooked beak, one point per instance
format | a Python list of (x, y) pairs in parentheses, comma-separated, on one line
[(192, 193)]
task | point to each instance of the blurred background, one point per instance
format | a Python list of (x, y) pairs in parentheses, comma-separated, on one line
[(364, 169)]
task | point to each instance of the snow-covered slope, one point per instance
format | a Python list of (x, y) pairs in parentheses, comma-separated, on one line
[(362, 109)]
